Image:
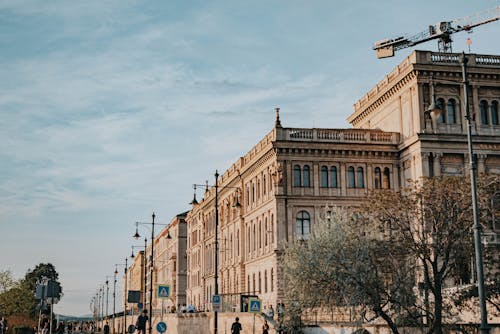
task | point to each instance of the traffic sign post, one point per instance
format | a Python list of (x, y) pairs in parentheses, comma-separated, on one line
[(254, 306), (163, 291), (161, 327), (216, 303)]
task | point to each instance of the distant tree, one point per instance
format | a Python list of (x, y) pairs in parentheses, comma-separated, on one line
[(7, 281), (18, 297), (42, 270)]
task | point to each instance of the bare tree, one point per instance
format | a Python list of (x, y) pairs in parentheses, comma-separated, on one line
[(432, 220), (394, 257), (346, 265)]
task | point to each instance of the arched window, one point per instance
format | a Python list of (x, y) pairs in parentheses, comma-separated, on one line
[(483, 109), (494, 112), (303, 222), (264, 184), (248, 283), (260, 234), (324, 177), (253, 193), (265, 281), (272, 229), (440, 105), (386, 183), (238, 243), (297, 181), (253, 279), (260, 283), (360, 178), (258, 190), (249, 244), (265, 231), (254, 238), (450, 111), (350, 177), (377, 178), (333, 177), (306, 175), (248, 195)]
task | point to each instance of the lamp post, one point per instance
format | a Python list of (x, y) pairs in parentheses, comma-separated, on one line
[(476, 227), (114, 299), (216, 255), (107, 296), (125, 293), (151, 263)]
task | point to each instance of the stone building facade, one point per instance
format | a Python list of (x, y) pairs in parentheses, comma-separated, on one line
[(170, 263), (279, 189)]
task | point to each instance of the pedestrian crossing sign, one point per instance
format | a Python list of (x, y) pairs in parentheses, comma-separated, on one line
[(254, 305), (163, 291)]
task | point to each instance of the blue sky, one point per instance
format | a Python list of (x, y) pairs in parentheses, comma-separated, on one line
[(113, 109)]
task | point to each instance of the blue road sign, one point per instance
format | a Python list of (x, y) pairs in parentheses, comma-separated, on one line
[(216, 303), (163, 291), (254, 306), (161, 327)]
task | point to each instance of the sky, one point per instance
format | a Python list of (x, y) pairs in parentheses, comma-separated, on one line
[(112, 109)]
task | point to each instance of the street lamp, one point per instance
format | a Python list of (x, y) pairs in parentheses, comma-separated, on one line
[(125, 294), (114, 298), (143, 266), (151, 263), (216, 260), (477, 227)]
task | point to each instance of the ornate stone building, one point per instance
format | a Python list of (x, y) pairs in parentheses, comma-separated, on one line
[(278, 190), (169, 264)]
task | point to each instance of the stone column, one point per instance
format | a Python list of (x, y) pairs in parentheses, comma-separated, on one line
[(480, 163), (369, 176), (437, 164), (343, 181), (424, 158)]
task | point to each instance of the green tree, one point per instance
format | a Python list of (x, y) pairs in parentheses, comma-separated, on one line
[(42, 270), (18, 297)]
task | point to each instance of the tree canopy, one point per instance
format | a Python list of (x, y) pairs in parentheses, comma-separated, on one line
[(393, 257)]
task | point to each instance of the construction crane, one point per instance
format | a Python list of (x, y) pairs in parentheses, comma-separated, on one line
[(441, 31)]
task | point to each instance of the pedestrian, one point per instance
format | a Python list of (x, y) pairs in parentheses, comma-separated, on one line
[(236, 326), (265, 328), (60, 328), (106, 328), (45, 329), (140, 324), (70, 328), (270, 313)]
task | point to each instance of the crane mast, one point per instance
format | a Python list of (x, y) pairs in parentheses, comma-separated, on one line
[(441, 31)]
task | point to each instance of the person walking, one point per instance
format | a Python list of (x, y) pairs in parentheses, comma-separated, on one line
[(106, 328), (236, 326), (265, 328), (141, 322), (270, 312), (60, 328)]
